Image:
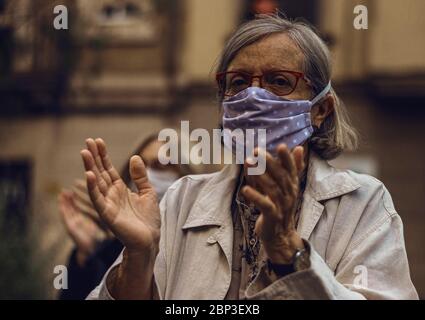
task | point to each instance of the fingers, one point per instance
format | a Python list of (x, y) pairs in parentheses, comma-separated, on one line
[(81, 185), (84, 204), (89, 165), (87, 210), (266, 185), (138, 175), (298, 154), (283, 202), (262, 202), (293, 165), (81, 193), (62, 204), (284, 180), (92, 147), (96, 159), (279, 183), (107, 164), (286, 159), (65, 207), (96, 196)]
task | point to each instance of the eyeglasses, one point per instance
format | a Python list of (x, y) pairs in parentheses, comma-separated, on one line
[(280, 82)]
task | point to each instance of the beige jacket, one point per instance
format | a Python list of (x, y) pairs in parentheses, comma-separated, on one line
[(348, 219)]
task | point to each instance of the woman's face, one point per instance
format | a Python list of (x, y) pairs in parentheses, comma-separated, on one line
[(278, 52)]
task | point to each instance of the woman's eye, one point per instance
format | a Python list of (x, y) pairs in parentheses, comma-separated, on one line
[(237, 82), (280, 81)]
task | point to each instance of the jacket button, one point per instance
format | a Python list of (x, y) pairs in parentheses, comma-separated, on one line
[(211, 240)]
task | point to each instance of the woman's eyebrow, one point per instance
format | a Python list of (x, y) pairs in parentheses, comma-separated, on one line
[(243, 70)]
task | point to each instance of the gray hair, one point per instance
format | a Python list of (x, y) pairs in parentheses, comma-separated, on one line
[(336, 134)]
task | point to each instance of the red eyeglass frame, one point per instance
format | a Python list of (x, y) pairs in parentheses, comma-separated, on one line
[(298, 75)]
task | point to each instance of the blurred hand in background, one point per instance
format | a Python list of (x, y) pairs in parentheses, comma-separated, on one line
[(81, 222), (95, 247)]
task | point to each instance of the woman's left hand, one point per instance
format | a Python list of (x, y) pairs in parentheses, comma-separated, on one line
[(275, 194)]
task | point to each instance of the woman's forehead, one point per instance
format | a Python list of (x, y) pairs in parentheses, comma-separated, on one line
[(276, 51)]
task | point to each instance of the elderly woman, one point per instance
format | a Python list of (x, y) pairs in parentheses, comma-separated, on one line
[(301, 230)]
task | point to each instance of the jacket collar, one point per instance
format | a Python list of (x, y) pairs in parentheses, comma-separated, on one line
[(325, 182), (212, 207)]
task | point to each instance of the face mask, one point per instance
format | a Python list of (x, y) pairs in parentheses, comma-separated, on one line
[(161, 180), (285, 121)]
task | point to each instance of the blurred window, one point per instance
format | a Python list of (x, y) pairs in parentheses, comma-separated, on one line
[(114, 13), (14, 194), (2, 6)]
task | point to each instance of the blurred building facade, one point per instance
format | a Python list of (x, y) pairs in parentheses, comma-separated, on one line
[(127, 68)]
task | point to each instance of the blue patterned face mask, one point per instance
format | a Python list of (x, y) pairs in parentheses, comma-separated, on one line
[(285, 121)]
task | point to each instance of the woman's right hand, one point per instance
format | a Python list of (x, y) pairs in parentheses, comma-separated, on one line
[(134, 218)]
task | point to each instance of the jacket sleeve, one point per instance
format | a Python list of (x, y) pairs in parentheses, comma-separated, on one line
[(101, 292), (374, 267)]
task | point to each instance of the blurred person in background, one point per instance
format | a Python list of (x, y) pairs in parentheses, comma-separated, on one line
[(301, 230), (96, 248)]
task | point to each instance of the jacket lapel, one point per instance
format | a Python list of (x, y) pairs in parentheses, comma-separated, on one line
[(324, 182), (213, 209)]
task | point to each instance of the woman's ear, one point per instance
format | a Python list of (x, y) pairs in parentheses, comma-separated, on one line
[(321, 110)]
